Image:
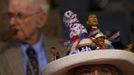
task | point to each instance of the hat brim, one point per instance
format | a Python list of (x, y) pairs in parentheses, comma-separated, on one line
[(121, 59)]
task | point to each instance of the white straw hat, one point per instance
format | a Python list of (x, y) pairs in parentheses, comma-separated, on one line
[(121, 59)]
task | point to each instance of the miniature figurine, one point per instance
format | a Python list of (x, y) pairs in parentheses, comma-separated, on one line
[(55, 53), (79, 40), (93, 22), (95, 33), (76, 29), (102, 42)]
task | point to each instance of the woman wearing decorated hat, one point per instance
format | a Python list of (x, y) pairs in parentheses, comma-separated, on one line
[(97, 62), (92, 62)]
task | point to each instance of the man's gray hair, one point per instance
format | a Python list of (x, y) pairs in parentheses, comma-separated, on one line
[(41, 5), (45, 7)]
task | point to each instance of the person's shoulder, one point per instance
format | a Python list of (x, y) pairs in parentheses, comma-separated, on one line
[(3, 46), (7, 46)]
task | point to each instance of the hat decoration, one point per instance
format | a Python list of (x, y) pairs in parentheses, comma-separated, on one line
[(80, 39), (86, 51)]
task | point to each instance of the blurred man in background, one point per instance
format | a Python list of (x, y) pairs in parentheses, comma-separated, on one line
[(29, 57)]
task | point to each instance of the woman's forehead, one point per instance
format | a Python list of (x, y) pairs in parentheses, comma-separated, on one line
[(89, 69)]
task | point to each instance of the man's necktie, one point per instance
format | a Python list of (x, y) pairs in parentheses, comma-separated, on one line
[(32, 67)]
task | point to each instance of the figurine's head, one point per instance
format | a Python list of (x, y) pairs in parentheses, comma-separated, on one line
[(99, 39), (69, 18), (92, 20)]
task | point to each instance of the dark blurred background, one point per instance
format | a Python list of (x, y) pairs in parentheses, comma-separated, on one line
[(113, 15)]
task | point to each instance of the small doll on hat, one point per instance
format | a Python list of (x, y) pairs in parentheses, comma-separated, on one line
[(93, 22), (78, 41), (76, 29), (102, 42), (96, 34)]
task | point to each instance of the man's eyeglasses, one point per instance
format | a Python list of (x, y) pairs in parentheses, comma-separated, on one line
[(19, 15)]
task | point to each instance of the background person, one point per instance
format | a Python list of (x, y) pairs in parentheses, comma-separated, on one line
[(30, 53)]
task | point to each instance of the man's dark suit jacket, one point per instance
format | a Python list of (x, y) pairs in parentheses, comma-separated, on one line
[(11, 59)]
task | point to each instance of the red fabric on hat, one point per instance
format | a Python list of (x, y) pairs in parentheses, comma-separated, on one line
[(74, 38)]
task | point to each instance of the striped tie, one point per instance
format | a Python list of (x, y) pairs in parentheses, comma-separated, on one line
[(32, 67)]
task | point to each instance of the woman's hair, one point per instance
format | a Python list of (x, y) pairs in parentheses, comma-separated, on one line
[(85, 68)]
